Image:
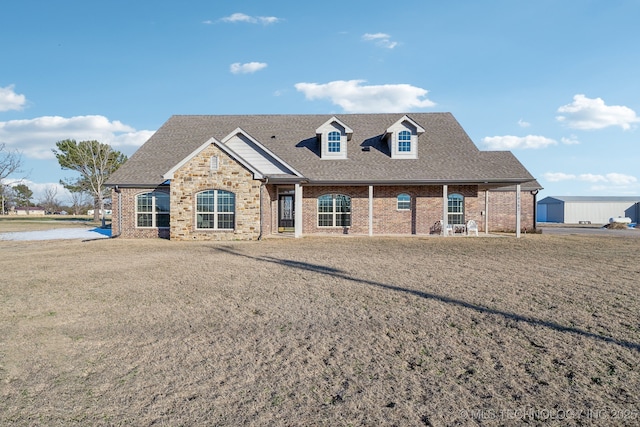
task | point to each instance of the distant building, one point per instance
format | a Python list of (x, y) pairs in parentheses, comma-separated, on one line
[(587, 209), (32, 210)]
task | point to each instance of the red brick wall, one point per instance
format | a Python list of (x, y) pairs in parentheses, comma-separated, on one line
[(128, 215)]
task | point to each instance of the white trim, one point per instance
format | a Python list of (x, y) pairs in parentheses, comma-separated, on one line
[(297, 226), (262, 147), (347, 130), (445, 209), (371, 210)]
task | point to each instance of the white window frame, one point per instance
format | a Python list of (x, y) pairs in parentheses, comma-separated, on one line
[(455, 217), (334, 214), (154, 210), (403, 202), (215, 213)]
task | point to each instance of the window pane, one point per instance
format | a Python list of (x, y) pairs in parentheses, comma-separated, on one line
[(162, 202), (225, 221), (204, 221), (404, 201), (225, 201), (325, 203), (334, 142), (162, 220), (325, 220), (205, 201), (145, 220), (145, 202), (404, 141)]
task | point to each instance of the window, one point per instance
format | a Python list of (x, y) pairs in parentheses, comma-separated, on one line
[(456, 209), (213, 163), (334, 210), (215, 209), (152, 210), (334, 142), (404, 141), (404, 202)]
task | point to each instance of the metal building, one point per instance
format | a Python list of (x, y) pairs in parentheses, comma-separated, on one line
[(587, 209)]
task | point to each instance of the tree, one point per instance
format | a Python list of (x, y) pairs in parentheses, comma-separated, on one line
[(79, 200), (23, 196), (10, 163), (95, 162), (48, 200)]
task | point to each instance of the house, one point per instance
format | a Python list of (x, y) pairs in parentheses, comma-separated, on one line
[(228, 177), (31, 210), (587, 209)]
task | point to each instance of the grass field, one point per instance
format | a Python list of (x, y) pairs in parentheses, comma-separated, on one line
[(321, 331)]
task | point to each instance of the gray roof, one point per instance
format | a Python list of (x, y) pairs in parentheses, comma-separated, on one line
[(446, 154), (589, 199)]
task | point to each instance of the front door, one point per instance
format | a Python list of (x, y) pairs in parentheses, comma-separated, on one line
[(285, 213)]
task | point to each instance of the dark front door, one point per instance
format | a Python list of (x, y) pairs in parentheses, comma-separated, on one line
[(285, 213)]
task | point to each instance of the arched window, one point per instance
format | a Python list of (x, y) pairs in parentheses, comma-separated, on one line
[(215, 209), (333, 140), (152, 210), (404, 202), (404, 141), (455, 209), (334, 210)]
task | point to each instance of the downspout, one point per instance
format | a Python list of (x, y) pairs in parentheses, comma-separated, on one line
[(119, 193)]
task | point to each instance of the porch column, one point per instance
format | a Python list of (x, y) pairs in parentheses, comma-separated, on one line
[(486, 211), (445, 209), (371, 210), (297, 230), (518, 210)]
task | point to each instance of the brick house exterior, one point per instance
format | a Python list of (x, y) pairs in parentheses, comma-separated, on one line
[(248, 177)]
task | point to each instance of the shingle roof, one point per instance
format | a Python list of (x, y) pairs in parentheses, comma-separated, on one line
[(445, 151)]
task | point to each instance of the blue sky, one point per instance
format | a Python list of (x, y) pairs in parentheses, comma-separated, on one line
[(556, 82)]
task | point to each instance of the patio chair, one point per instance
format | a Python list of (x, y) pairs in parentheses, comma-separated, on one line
[(472, 227)]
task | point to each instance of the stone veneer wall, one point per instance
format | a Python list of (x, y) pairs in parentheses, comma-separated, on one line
[(195, 176)]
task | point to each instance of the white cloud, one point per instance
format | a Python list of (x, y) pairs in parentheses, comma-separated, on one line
[(9, 100), (380, 39), (558, 176), (572, 140), (354, 97), (510, 142), (586, 114), (35, 138), (613, 178), (523, 124), (247, 68), (241, 17)]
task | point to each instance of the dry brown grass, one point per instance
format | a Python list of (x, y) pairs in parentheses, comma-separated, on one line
[(340, 331)]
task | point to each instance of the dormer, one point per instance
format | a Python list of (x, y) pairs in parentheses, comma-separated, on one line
[(333, 136), (402, 137)]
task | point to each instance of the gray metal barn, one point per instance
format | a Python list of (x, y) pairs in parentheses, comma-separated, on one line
[(593, 209)]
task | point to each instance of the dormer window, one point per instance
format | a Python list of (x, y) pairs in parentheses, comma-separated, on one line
[(404, 141), (333, 136), (333, 140), (402, 138)]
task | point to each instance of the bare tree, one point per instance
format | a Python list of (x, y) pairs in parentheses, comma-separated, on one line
[(48, 200), (79, 200), (10, 163)]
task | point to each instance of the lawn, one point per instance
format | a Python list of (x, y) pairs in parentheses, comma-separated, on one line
[(321, 331)]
